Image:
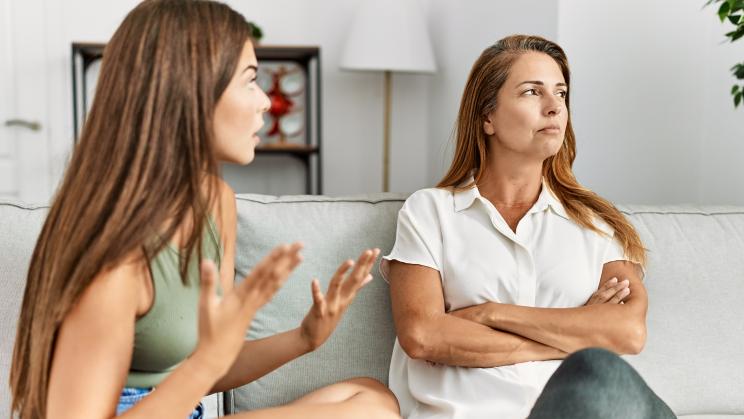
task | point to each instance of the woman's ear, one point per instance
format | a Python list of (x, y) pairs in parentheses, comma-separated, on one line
[(488, 125)]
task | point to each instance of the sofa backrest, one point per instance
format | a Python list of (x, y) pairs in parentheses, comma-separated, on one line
[(20, 225), (695, 279), (694, 356), (332, 230)]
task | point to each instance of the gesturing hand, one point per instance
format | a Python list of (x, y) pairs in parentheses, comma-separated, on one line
[(610, 292), (223, 321), (327, 310)]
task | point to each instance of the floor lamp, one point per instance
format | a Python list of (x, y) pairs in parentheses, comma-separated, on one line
[(388, 36)]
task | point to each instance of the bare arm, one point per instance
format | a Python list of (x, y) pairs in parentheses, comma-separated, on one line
[(617, 327), (426, 332), (261, 356)]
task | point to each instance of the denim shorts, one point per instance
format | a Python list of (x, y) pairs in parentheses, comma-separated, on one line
[(132, 395)]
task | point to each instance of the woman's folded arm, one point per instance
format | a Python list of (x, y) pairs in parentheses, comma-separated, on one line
[(425, 331), (617, 327)]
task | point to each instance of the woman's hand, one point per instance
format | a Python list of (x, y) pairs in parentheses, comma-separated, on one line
[(610, 292), (327, 310), (223, 321)]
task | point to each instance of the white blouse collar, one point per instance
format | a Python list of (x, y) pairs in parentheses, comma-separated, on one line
[(464, 199)]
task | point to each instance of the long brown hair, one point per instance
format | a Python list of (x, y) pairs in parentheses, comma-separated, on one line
[(486, 78), (143, 165)]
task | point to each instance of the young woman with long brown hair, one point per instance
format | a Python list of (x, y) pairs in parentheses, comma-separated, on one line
[(116, 302), (509, 265)]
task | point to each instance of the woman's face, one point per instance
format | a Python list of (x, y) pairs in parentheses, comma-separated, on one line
[(531, 115), (238, 114)]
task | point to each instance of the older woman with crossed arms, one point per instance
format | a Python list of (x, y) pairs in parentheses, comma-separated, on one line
[(513, 287)]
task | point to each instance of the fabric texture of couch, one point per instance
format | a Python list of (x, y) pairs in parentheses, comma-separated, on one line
[(695, 279)]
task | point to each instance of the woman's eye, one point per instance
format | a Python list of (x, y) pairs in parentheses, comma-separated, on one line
[(533, 92), (563, 93)]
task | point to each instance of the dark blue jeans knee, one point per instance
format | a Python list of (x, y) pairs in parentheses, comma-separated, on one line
[(596, 383)]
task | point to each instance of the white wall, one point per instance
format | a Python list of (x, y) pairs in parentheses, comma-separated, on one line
[(650, 101), (650, 98), (722, 132)]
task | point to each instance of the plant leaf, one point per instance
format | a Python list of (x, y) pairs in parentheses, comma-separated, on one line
[(735, 34), (734, 19), (737, 99), (723, 11), (738, 71), (735, 89), (738, 34)]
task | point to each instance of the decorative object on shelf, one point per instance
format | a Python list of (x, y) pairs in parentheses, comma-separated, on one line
[(285, 85), (289, 75), (733, 11), (401, 44)]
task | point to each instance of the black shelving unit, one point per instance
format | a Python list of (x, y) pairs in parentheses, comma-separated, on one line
[(85, 54)]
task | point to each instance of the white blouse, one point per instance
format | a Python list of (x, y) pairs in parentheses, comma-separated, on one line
[(551, 261)]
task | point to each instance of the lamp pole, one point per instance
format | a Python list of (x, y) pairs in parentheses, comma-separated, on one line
[(404, 46)]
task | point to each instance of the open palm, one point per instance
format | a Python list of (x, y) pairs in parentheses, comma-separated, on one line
[(328, 309)]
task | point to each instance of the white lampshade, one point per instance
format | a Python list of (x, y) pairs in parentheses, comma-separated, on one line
[(388, 35)]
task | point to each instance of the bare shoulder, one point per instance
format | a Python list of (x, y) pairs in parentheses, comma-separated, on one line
[(94, 344), (116, 289)]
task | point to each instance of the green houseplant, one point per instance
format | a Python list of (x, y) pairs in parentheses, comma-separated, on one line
[(256, 32), (733, 11)]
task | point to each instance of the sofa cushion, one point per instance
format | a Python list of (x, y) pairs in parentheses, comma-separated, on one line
[(693, 357), (20, 225), (332, 230)]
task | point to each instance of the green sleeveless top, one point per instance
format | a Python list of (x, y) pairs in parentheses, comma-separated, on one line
[(168, 333)]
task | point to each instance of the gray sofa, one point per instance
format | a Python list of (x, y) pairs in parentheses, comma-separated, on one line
[(694, 356)]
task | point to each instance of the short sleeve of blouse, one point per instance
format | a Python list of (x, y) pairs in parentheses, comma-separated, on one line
[(418, 237), (615, 251)]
